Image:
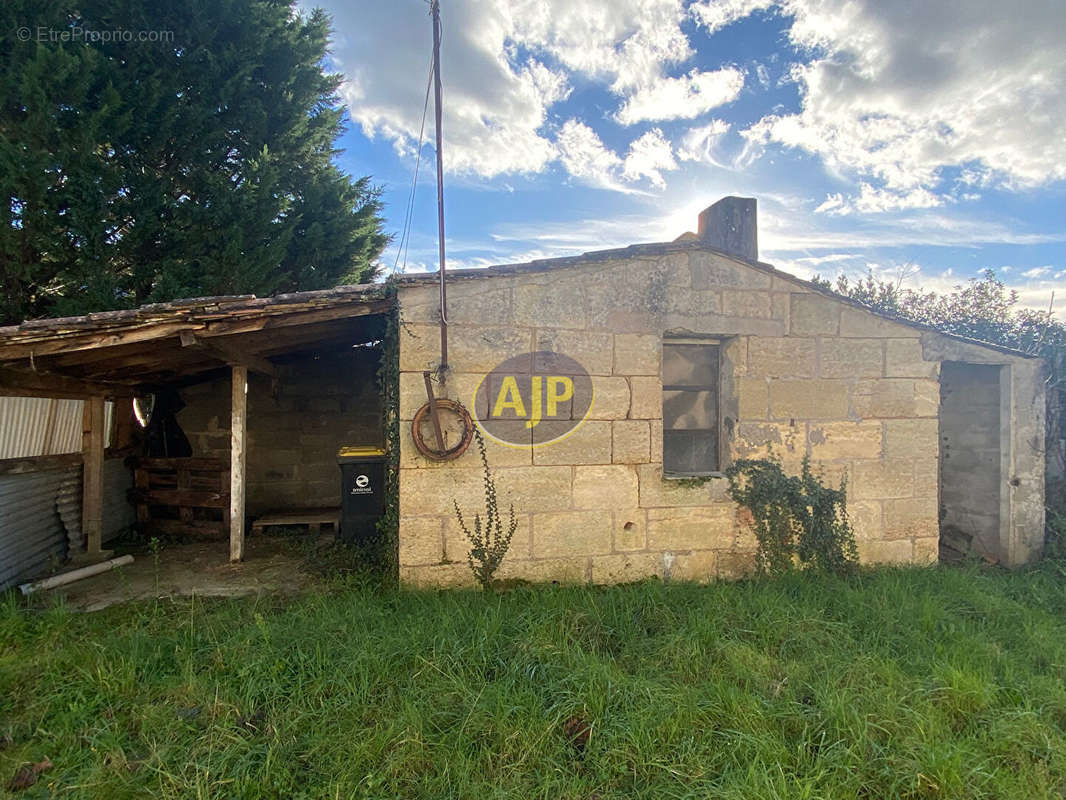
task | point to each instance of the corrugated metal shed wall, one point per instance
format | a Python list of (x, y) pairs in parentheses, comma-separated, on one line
[(32, 537), (24, 426)]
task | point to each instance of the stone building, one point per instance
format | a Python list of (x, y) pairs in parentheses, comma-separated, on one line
[(931, 431), (614, 389)]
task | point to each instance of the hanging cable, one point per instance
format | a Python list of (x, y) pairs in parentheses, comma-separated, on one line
[(405, 234)]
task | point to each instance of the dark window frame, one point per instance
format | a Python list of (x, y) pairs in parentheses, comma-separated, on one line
[(717, 343)]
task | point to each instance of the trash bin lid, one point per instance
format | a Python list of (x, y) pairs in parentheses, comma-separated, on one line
[(361, 451)]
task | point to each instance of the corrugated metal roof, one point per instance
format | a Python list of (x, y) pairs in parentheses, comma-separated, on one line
[(38, 426)]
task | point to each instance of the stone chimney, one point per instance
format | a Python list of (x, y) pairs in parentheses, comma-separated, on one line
[(730, 225)]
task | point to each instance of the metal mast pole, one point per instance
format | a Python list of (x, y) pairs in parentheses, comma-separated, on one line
[(435, 8)]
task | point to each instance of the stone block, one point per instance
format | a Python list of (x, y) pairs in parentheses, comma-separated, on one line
[(550, 302), (700, 566), (833, 440), (781, 357), (419, 347), (432, 491), (894, 397), (927, 398), (693, 302), (911, 438), (926, 476), (656, 440), (538, 488), (857, 322), (655, 492), (781, 307), (733, 565), (703, 528), (593, 351), (884, 479), (607, 487), (590, 443), (865, 517), (927, 551), (710, 270), (810, 399), (641, 271), (714, 324), (610, 398), (631, 441), (813, 315), (421, 541), (754, 305), (571, 533), (851, 358), (753, 398), (646, 398), (626, 568), (636, 354), (903, 359), (548, 570), (630, 529), (912, 518), (483, 349), (437, 576), (760, 439), (899, 551)]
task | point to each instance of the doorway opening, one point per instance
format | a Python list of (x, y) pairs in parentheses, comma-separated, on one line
[(971, 461)]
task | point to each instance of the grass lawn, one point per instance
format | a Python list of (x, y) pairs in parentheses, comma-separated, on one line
[(893, 683)]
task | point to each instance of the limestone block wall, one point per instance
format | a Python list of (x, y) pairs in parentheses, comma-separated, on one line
[(801, 373), (322, 403)]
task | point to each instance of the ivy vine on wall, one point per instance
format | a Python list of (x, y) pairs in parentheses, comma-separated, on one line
[(797, 520)]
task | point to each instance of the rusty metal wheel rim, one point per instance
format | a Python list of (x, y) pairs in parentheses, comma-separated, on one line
[(443, 404)]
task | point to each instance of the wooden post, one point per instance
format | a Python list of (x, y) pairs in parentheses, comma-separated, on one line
[(92, 503), (238, 438)]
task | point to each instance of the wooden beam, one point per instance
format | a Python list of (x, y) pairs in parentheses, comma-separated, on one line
[(231, 354), (26, 344), (238, 440), (19, 383), (92, 503)]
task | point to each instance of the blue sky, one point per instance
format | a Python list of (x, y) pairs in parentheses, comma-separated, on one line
[(920, 140)]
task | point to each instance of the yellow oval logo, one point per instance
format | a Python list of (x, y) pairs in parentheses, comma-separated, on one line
[(534, 399)]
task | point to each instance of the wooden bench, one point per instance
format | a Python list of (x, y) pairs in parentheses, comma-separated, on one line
[(313, 518)]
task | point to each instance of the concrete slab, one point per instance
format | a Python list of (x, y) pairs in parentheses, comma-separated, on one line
[(273, 565)]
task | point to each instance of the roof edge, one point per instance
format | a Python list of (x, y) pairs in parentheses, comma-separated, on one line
[(688, 245)]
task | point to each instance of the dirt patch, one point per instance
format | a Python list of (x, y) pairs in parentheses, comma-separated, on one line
[(272, 565)]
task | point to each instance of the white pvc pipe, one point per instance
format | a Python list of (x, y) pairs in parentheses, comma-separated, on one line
[(75, 575)]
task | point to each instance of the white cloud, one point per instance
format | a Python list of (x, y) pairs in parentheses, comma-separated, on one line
[(898, 92), (687, 97), (649, 156), (1036, 272), (584, 156), (506, 63), (698, 144), (717, 14), (873, 200)]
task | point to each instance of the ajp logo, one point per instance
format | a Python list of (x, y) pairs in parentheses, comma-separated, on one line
[(533, 399)]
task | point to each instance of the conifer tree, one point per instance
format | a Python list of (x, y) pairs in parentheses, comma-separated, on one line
[(198, 161)]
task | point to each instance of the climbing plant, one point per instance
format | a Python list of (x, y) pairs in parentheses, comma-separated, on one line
[(796, 518), (489, 540), (388, 378)]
